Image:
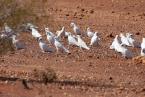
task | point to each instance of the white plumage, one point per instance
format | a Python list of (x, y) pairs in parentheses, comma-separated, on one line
[(50, 38), (61, 33), (132, 42), (117, 46), (89, 33), (72, 40), (18, 45), (94, 40), (47, 30), (81, 43), (43, 46), (59, 46), (124, 40), (7, 28), (115, 42), (76, 29), (143, 47), (130, 39), (35, 33)]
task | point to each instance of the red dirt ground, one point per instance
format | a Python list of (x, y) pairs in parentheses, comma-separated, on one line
[(105, 72)]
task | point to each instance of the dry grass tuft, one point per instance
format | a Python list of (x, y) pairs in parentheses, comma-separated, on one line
[(6, 45), (47, 75)]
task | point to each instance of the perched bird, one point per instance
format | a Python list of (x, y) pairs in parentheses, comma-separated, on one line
[(17, 44), (143, 47), (72, 40), (59, 46), (132, 42), (61, 33), (43, 46), (35, 32), (124, 40), (81, 43), (89, 33), (76, 29), (94, 40)]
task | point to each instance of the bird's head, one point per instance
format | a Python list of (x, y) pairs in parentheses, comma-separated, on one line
[(88, 29), (78, 36), (121, 34), (143, 39), (72, 24), (47, 29), (116, 37), (128, 34)]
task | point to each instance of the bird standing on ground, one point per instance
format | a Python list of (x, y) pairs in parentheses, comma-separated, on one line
[(50, 38), (18, 45), (81, 43), (114, 43), (43, 46), (119, 48), (76, 29), (59, 46), (72, 40), (89, 33), (35, 32), (94, 40)]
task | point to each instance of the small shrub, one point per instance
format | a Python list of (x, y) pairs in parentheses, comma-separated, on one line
[(47, 75), (6, 45)]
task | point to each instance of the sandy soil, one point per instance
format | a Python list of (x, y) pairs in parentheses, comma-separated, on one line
[(99, 72)]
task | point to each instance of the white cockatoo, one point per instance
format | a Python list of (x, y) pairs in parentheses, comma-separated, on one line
[(143, 47), (94, 40), (17, 44), (35, 32), (89, 33), (59, 46), (124, 40), (81, 43), (76, 29), (72, 40), (43, 46)]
